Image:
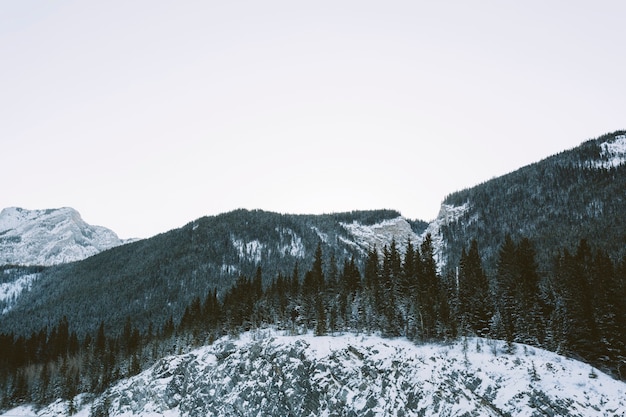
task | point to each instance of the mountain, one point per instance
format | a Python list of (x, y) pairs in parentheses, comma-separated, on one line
[(550, 237), (269, 373), (153, 279), (576, 194), (50, 237)]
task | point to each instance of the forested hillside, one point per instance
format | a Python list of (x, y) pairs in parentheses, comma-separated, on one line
[(153, 279), (576, 194)]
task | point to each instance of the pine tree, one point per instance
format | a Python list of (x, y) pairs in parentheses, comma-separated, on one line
[(407, 287), (506, 290), (475, 308), (373, 293), (429, 296), (530, 326), (390, 275)]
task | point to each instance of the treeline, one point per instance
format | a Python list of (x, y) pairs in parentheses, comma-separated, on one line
[(578, 310)]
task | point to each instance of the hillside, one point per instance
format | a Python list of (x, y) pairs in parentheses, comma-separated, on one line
[(268, 373), (576, 194), (153, 279)]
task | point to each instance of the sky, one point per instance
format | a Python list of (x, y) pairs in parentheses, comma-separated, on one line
[(144, 115)]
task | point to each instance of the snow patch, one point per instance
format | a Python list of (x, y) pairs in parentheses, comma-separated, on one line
[(227, 269), (251, 251), (448, 214), (381, 234), (323, 236), (613, 154), (290, 243), (10, 291)]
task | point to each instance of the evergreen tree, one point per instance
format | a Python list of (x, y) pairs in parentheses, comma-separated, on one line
[(390, 275), (530, 321), (475, 308), (429, 294), (373, 293), (506, 290)]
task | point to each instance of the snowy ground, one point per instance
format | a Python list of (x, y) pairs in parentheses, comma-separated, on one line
[(268, 373)]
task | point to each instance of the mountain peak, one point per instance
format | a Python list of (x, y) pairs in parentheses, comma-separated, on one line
[(50, 236)]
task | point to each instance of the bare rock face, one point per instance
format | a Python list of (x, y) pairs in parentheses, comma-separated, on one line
[(49, 237), (381, 234)]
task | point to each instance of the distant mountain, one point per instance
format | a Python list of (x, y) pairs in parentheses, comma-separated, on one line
[(576, 194), (154, 278), (267, 373), (50, 237)]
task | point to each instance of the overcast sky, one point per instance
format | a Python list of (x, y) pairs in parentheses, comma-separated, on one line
[(144, 115)]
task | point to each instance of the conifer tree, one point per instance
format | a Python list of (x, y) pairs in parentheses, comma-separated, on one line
[(530, 327), (428, 291), (506, 283), (373, 293), (473, 292), (389, 277)]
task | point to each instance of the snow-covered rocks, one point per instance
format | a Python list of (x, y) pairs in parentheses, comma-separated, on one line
[(448, 214), (380, 234), (268, 373), (613, 153), (49, 237)]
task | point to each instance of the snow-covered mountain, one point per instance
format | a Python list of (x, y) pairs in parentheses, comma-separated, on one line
[(49, 237), (266, 373)]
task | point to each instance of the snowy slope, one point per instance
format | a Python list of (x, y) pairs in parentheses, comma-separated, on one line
[(48, 237), (267, 373), (613, 154), (9, 291), (380, 234)]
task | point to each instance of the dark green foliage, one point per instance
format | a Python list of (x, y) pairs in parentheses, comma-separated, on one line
[(517, 291), (554, 203), (474, 296), (589, 315)]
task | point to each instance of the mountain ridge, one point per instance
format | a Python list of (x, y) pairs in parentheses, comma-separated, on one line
[(556, 202), (50, 237)]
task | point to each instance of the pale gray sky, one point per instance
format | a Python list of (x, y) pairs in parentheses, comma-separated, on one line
[(144, 115)]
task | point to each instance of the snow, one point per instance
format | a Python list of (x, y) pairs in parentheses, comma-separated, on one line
[(251, 251), (271, 372), (9, 291), (291, 243), (49, 237), (323, 236), (380, 234), (613, 154), (447, 214)]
